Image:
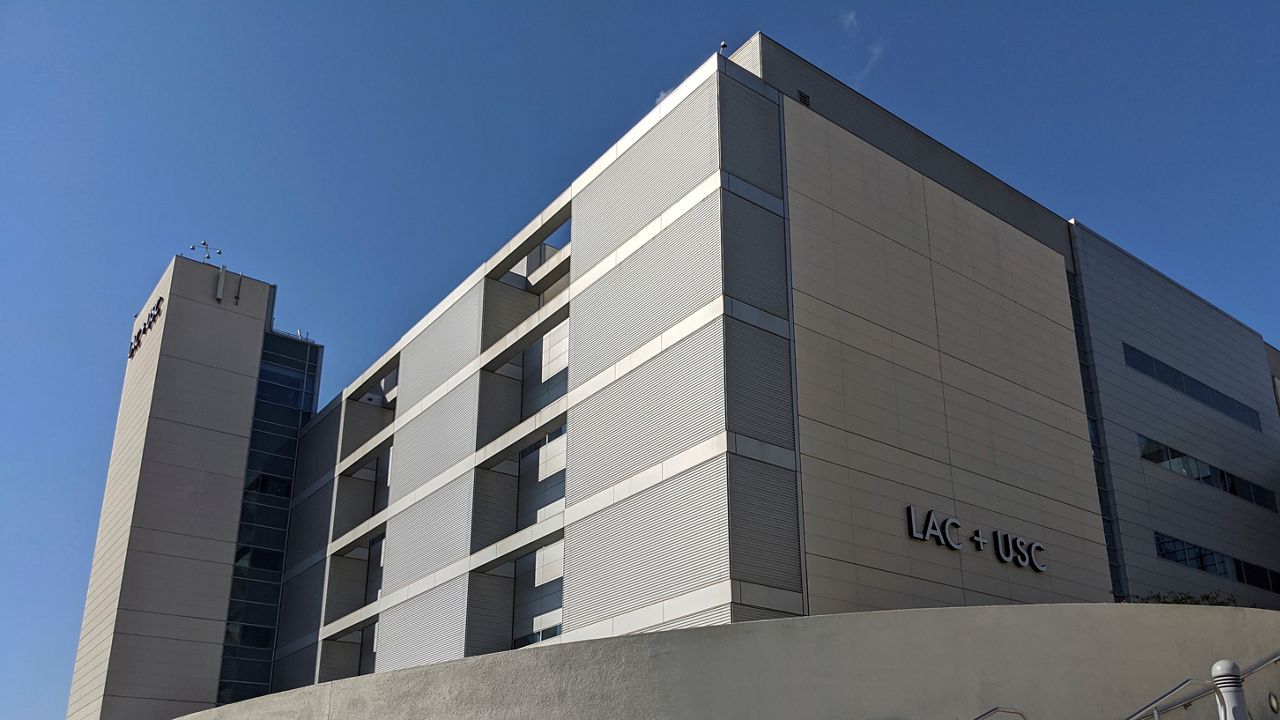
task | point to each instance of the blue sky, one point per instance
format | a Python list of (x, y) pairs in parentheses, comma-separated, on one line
[(367, 157)]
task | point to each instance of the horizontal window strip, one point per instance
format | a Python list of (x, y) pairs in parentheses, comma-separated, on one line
[(1191, 387), (1220, 564), (1179, 462)]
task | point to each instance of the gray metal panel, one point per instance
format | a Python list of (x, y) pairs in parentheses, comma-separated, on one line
[(659, 169), (428, 535), (829, 97), (648, 293), (750, 136), (300, 598), (758, 384), (505, 307), (295, 670), (665, 541), (1126, 301), (436, 440), (755, 256), (429, 628), (746, 613), (309, 526), (489, 602), (764, 524), (317, 450), (493, 514), (667, 405), (500, 405), (719, 615), (441, 349)]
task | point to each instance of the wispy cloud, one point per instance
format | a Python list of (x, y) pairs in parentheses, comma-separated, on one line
[(663, 94), (849, 20), (874, 53)]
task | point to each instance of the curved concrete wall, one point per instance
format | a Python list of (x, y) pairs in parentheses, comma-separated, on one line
[(1050, 661)]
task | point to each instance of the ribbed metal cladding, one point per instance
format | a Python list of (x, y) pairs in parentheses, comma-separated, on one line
[(489, 603), (659, 169), (720, 615), (505, 307), (750, 136), (755, 256), (441, 349), (647, 293), (758, 384), (666, 405), (668, 540), (428, 535), (746, 613), (431, 627), (764, 524), (493, 515), (436, 440)]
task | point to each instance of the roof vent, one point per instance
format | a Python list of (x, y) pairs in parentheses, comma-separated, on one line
[(803, 97)]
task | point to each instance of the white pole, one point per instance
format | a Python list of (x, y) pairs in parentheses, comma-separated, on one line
[(1226, 675)]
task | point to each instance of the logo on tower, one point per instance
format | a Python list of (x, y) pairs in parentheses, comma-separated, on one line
[(153, 315)]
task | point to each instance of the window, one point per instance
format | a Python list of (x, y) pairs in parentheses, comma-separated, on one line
[(1194, 556), (1179, 462), (1188, 385)]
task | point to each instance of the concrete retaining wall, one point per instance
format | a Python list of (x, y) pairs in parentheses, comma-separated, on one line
[(1050, 661)]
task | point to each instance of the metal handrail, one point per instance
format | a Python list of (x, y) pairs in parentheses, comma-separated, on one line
[(1260, 666), (1151, 709), (998, 710)]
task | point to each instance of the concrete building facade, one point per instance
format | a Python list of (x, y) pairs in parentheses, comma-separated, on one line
[(776, 353)]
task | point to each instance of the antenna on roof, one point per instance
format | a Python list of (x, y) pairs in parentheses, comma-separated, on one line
[(723, 46), (204, 246)]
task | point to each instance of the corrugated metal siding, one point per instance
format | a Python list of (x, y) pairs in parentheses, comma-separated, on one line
[(428, 535), (441, 349), (667, 405), (436, 440), (494, 511), (758, 384), (659, 169), (764, 524), (755, 256), (790, 73), (719, 615), (746, 613), (295, 670), (427, 629), (504, 308), (500, 404), (648, 293), (489, 603), (750, 136), (345, 592), (668, 540)]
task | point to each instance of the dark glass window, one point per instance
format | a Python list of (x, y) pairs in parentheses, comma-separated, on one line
[(286, 376), (1181, 382), (1201, 471), (259, 536), (248, 635), (239, 669), (251, 613), (260, 462), (260, 592), (274, 444), (259, 558), (256, 514), (229, 692), (1200, 558)]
